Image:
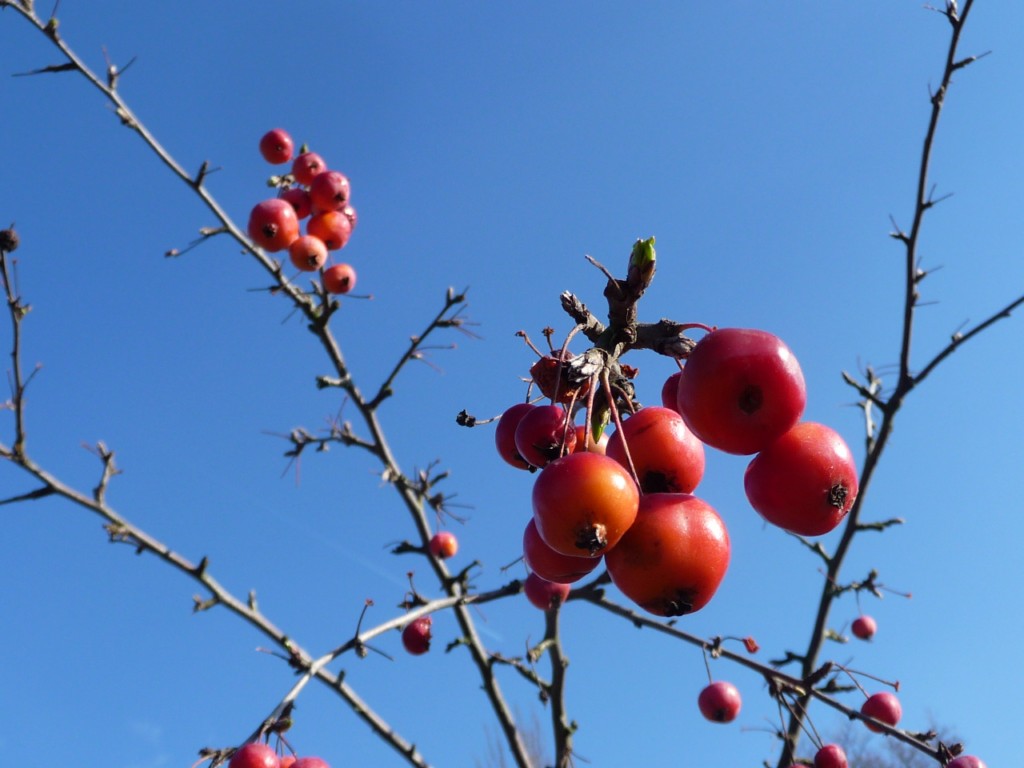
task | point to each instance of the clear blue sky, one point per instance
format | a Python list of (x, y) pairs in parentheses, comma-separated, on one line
[(491, 145)]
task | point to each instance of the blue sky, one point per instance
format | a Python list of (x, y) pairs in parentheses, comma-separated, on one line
[(493, 146)]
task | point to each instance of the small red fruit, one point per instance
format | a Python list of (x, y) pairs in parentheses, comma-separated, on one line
[(864, 627), (670, 391), (882, 706), (966, 761), (740, 389), (416, 635), (804, 482), (329, 191), (667, 456), (273, 225), (299, 200), (333, 227), (673, 558), (308, 253), (276, 146), (310, 762), (288, 761), (443, 544), (339, 278), (551, 565), (601, 446), (255, 754), (830, 756), (307, 166), (583, 503), (720, 702), (544, 594), (505, 435), (544, 434)]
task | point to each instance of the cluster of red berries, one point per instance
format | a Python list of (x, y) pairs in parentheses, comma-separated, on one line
[(256, 754), (310, 191), (629, 499)]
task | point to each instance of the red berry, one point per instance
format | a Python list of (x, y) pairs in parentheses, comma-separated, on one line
[(740, 389), (333, 227), (882, 706), (544, 434), (583, 503), (310, 762), (544, 594), (830, 756), (329, 191), (551, 565), (276, 146), (804, 482), (416, 635), (443, 544), (299, 200), (667, 456), (505, 435), (308, 253), (674, 556), (273, 225), (720, 702), (670, 391), (339, 278), (288, 761), (307, 166), (864, 627), (255, 754), (966, 761)]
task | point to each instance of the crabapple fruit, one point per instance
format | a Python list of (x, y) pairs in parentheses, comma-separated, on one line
[(310, 762), (307, 166), (505, 435), (273, 225), (667, 456), (740, 389), (299, 200), (544, 594), (308, 253), (339, 278), (551, 565), (882, 706), (720, 702), (276, 146), (830, 756), (544, 434), (966, 761), (255, 754), (329, 191), (864, 627), (416, 635), (443, 544), (333, 227), (670, 391)]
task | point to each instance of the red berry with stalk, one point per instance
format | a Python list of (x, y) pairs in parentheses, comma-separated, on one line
[(333, 227), (443, 544), (667, 456), (966, 761), (416, 635), (882, 706), (308, 253), (720, 702), (505, 435), (298, 198), (276, 146), (273, 225), (339, 278), (255, 754), (830, 756), (544, 594), (551, 565), (307, 166), (864, 627), (544, 434), (310, 762), (329, 191)]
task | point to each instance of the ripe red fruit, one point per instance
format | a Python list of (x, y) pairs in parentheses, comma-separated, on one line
[(307, 166), (273, 225), (416, 635), (601, 446), (864, 627), (583, 503), (966, 761), (255, 754), (339, 278), (308, 253), (333, 227), (443, 544), (505, 434), (329, 191), (310, 762), (670, 391), (288, 761), (276, 146), (299, 200), (804, 482), (552, 377), (882, 706), (544, 434), (551, 565), (544, 594), (830, 756), (740, 389), (720, 702), (673, 558), (667, 456)]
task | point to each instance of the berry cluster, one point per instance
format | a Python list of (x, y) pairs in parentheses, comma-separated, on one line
[(628, 497), (256, 754), (311, 191)]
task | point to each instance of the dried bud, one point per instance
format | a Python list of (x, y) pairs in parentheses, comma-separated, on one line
[(9, 240)]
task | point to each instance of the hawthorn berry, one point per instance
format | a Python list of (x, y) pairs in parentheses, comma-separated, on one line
[(583, 503), (288, 761), (416, 635), (329, 191), (551, 565), (333, 227), (255, 754), (308, 253), (670, 391), (864, 627), (966, 761), (310, 762), (339, 278), (830, 756), (720, 702), (583, 444), (299, 200), (273, 225), (882, 706), (307, 166), (741, 389), (276, 146), (667, 456), (443, 544), (544, 434), (805, 481), (544, 594), (505, 435)]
